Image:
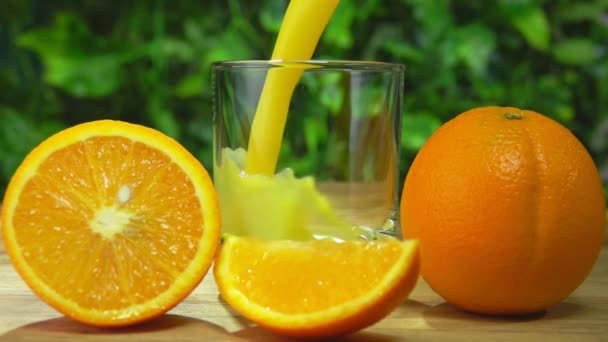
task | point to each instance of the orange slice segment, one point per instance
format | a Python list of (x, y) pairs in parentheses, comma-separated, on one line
[(111, 223), (316, 288)]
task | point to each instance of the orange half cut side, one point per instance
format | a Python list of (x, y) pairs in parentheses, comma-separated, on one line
[(111, 223)]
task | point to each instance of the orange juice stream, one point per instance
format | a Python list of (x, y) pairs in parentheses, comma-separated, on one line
[(300, 31), (246, 181)]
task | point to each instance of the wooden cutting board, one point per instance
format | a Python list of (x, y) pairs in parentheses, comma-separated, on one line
[(203, 316)]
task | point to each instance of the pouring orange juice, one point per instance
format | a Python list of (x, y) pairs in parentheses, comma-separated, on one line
[(252, 102)]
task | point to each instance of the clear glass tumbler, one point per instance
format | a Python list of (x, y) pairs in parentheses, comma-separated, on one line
[(308, 149)]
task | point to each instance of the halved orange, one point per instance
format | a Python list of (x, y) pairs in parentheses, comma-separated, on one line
[(317, 288), (111, 223)]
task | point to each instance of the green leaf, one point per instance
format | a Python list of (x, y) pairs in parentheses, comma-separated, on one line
[(381, 39), (564, 113), (332, 97), (403, 50), (84, 76), (339, 30), (229, 46), (575, 51), (417, 128), (434, 16), (365, 8), (75, 60), (166, 122), (271, 15), (193, 32), (315, 131), (368, 101), (178, 49), (331, 92), (474, 45), (19, 134), (191, 85), (68, 32), (530, 20)]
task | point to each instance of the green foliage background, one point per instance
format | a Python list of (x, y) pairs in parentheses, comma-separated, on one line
[(63, 62)]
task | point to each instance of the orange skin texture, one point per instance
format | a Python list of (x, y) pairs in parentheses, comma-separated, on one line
[(509, 212)]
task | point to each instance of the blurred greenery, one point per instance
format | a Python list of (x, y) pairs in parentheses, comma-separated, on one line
[(63, 62)]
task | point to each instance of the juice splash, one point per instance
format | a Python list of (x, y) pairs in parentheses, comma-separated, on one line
[(255, 201), (274, 207)]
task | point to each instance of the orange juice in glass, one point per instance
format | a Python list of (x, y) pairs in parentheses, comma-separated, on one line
[(322, 162)]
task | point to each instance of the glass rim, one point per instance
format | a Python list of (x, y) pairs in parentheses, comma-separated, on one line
[(319, 63)]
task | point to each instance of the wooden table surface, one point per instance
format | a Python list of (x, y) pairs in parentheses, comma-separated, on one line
[(203, 316)]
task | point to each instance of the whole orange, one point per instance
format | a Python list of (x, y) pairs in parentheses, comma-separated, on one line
[(509, 210)]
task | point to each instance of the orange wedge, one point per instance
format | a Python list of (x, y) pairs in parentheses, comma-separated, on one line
[(111, 223), (316, 288)]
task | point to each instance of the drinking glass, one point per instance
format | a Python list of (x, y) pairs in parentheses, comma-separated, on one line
[(336, 170)]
